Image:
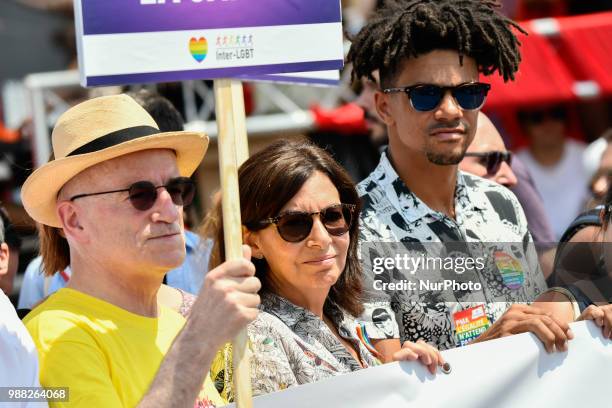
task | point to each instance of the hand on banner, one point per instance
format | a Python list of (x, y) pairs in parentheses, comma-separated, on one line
[(228, 300), (428, 355), (524, 318), (602, 316)]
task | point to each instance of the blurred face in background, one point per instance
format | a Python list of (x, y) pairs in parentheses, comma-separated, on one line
[(7, 271), (485, 157), (545, 127), (365, 100), (601, 180)]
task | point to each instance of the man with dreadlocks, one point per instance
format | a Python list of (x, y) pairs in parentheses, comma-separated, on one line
[(429, 54)]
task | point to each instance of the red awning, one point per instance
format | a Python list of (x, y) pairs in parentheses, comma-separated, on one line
[(542, 79), (585, 44)]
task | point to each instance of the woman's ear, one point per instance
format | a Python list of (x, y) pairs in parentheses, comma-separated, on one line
[(252, 239)]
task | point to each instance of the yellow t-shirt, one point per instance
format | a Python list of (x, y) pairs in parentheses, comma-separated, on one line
[(105, 355)]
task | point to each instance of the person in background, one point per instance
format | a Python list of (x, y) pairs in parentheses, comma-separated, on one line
[(580, 247), (18, 359), (301, 222), (488, 157), (583, 278), (365, 100), (36, 286), (601, 177), (13, 241), (555, 163)]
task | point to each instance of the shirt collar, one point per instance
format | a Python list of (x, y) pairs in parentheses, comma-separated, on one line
[(191, 241), (292, 314), (411, 206)]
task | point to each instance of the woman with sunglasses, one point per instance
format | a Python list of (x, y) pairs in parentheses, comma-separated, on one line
[(300, 213)]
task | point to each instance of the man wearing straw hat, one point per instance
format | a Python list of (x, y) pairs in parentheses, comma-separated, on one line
[(114, 197)]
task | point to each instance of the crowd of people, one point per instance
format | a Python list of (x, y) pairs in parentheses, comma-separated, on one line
[(127, 308)]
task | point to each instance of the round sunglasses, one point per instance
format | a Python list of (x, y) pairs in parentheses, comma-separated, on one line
[(143, 194), (295, 226), (426, 97), (492, 160)]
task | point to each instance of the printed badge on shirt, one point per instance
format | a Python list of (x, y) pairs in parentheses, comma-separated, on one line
[(470, 323), (510, 269)]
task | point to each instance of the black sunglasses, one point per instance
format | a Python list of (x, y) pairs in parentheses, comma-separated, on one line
[(557, 113), (426, 97), (143, 194), (492, 160), (295, 226)]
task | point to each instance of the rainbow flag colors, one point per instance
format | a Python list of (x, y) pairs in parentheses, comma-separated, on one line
[(198, 48)]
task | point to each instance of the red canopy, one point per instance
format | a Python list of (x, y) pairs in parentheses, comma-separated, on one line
[(585, 44), (542, 79)]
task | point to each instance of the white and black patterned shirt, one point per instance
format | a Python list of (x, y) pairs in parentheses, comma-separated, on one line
[(291, 346), (490, 225)]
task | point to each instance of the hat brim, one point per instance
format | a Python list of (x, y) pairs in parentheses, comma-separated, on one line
[(40, 190)]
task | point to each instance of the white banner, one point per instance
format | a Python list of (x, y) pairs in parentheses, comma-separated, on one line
[(511, 372)]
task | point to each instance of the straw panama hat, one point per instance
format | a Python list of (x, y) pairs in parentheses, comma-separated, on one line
[(95, 131)]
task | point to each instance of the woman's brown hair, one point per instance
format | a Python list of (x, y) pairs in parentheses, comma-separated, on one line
[(268, 180)]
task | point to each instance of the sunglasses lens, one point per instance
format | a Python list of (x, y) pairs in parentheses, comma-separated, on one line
[(494, 162), (337, 220), (143, 195), (558, 113), (294, 227), (471, 96), (425, 97), (181, 190)]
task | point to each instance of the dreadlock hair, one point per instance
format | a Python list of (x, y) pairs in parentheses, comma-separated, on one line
[(410, 28)]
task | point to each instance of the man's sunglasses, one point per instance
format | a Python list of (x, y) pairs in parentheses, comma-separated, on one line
[(295, 226), (143, 194), (426, 97), (492, 160), (535, 117)]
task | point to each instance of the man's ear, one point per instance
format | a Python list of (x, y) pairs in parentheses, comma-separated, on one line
[(383, 108), (251, 238), (69, 217), (4, 258)]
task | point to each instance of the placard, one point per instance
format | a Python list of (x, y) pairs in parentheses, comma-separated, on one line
[(141, 41)]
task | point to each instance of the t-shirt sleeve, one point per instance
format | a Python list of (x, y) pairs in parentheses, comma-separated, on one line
[(73, 360), (80, 367)]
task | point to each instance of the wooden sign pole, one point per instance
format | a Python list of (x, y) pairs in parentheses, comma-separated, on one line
[(233, 151)]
